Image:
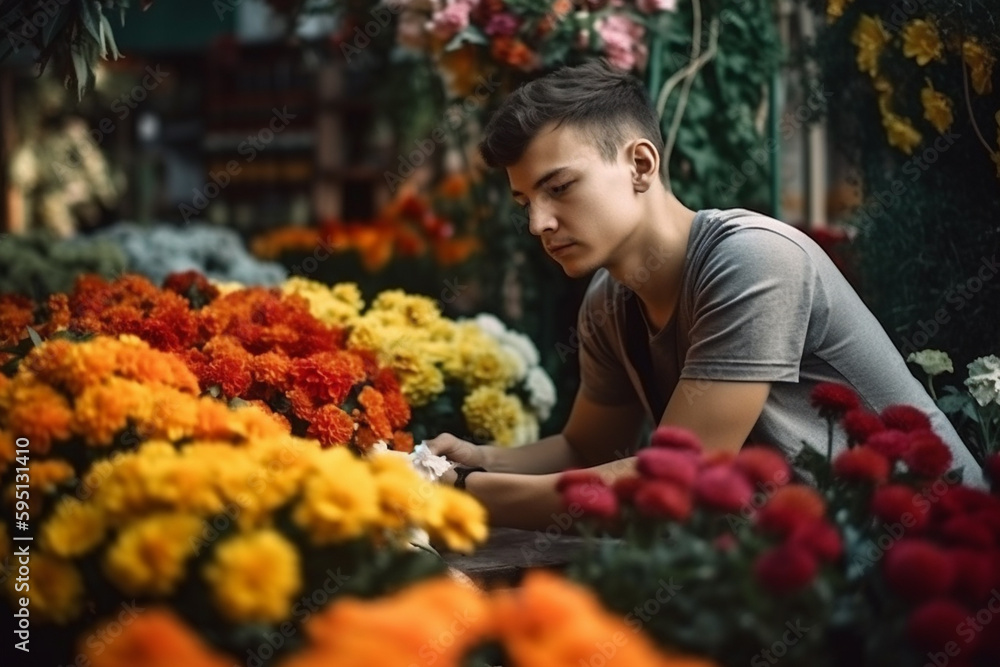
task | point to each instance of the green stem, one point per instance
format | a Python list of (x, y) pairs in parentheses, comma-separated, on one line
[(655, 63), (930, 387)]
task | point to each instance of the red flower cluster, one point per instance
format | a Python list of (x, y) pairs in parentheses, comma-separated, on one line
[(255, 344), (877, 442), (945, 563)]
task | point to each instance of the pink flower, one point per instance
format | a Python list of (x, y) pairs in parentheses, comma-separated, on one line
[(502, 25), (451, 20), (622, 41), (723, 488), (651, 6), (674, 437)]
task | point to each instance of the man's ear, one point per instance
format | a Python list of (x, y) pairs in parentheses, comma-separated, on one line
[(645, 164)]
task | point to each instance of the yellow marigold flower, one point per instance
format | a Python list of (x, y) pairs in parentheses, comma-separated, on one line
[(149, 556), (136, 360), (490, 412), (403, 494), (870, 38), (420, 381), (339, 305), (103, 410), (55, 592), (74, 528), (980, 63), (901, 133), (921, 41), (254, 577), (461, 523), (835, 9), (171, 414), (339, 499), (937, 108)]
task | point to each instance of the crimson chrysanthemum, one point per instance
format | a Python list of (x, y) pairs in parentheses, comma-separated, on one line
[(786, 568), (862, 464), (890, 443), (927, 454), (833, 399), (591, 499), (905, 418), (974, 576), (662, 499), (763, 466), (860, 424), (626, 487), (574, 476), (723, 488), (937, 623), (898, 504), (673, 437), (672, 465), (819, 538), (966, 530), (918, 570)]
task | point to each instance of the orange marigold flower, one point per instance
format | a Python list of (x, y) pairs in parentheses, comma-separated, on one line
[(331, 426), (365, 438), (16, 314), (36, 411), (155, 638), (272, 369), (328, 377), (374, 404), (402, 441)]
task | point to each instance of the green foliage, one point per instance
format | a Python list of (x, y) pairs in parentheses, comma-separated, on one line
[(72, 35), (37, 265), (927, 231)]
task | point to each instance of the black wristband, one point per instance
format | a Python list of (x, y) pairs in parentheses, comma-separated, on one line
[(461, 472)]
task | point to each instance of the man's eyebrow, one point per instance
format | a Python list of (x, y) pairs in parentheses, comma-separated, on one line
[(541, 181)]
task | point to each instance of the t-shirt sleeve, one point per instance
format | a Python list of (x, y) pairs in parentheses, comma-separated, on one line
[(603, 378), (752, 304)]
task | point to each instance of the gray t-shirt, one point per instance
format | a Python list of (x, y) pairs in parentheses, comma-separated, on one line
[(759, 301)]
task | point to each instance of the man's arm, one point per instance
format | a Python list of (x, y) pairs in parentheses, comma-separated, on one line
[(721, 413)]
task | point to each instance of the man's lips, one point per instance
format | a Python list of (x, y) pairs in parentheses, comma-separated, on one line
[(556, 247)]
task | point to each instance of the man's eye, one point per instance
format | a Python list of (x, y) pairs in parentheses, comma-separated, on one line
[(559, 189)]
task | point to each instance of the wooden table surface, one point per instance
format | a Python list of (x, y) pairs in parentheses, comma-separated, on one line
[(509, 552)]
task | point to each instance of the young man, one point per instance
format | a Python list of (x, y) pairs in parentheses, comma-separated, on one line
[(717, 321)]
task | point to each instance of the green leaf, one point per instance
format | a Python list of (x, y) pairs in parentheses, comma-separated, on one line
[(90, 16), (467, 35), (952, 403), (35, 338)]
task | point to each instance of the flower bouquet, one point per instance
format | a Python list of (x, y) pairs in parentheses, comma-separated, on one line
[(140, 493), (890, 560)]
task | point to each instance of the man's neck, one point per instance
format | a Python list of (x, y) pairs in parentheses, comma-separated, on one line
[(652, 263)]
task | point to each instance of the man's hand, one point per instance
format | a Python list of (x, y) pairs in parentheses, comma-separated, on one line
[(457, 451)]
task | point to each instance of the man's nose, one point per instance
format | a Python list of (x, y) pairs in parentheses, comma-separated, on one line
[(540, 220)]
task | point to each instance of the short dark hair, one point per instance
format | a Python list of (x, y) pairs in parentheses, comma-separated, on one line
[(600, 100)]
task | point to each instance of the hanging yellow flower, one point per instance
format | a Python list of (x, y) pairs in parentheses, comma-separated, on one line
[(921, 41), (254, 577), (937, 108), (980, 63), (835, 9), (870, 38), (901, 133)]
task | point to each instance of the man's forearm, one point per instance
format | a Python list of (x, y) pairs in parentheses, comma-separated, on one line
[(531, 502), (549, 455)]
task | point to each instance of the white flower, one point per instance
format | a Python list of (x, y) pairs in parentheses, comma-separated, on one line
[(934, 362), (524, 346), (516, 360), (526, 431), (491, 324), (984, 380), (542, 392)]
